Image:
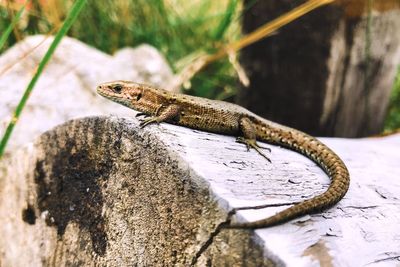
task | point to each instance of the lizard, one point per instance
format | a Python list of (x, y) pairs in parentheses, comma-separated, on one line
[(159, 105)]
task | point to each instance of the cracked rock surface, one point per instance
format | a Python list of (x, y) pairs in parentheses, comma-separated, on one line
[(100, 190)]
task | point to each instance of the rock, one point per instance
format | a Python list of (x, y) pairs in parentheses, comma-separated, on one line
[(102, 191), (66, 88)]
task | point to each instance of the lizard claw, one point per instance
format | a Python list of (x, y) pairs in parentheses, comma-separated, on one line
[(148, 121), (251, 143), (262, 147), (244, 141)]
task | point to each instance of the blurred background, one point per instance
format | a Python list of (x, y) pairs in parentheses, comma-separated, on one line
[(332, 72)]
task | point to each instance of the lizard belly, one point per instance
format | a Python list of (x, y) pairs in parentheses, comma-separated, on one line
[(229, 125)]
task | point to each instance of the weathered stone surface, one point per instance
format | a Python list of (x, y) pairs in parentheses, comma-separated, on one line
[(66, 89), (100, 191)]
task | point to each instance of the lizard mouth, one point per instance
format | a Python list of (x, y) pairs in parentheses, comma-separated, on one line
[(103, 90)]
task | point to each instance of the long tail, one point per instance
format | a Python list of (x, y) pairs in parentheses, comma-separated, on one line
[(317, 152)]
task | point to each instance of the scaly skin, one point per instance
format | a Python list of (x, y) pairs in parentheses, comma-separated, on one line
[(226, 118)]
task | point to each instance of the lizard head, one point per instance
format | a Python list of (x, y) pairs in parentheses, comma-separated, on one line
[(123, 92)]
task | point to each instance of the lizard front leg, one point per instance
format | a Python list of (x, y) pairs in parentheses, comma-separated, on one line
[(249, 136), (165, 114)]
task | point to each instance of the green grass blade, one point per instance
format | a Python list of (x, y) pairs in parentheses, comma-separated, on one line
[(226, 20), (393, 117), (7, 32), (72, 15)]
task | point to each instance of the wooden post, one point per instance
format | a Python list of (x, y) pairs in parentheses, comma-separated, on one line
[(329, 73)]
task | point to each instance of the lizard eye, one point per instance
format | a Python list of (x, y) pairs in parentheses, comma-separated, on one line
[(117, 88), (139, 96)]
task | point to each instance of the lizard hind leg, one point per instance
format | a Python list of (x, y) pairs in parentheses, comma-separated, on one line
[(249, 137)]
